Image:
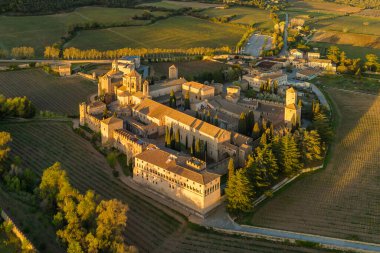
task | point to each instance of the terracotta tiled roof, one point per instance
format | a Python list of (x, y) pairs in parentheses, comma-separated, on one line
[(163, 160), (111, 120), (133, 73), (156, 110), (198, 85)]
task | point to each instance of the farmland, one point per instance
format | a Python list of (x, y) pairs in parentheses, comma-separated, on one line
[(175, 5), (40, 31), (351, 51), (363, 84), (186, 69), (47, 92), (148, 227), (244, 15), (342, 199), (175, 32)]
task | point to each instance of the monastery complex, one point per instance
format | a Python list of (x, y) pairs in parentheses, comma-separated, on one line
[(135, 118)]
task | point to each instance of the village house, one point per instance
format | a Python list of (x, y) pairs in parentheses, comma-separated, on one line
[(63, 69)]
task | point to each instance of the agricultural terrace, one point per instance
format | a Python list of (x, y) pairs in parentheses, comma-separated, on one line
[(185, 69), (343, 199), (41, 31), (56, 94), (148, 227), (175, 5), (174, 32), (244, 15)]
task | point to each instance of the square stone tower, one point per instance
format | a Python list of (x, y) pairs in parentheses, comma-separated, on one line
[(173, 72)]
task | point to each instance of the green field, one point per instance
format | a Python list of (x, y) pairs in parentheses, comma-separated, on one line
[(244, 15), (368, 85), (351, 24), (351, 51), (57, 94), (175, 5), (185, 69), (175, 32), (40, 31)]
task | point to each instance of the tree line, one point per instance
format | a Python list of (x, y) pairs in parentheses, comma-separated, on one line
[(280, 154), (83, 222), (16, 107)]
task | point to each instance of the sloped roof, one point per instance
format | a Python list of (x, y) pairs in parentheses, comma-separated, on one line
[(156, 110), (198, 85), (133, 73), (291, 89), (111, 120), (163, 160)]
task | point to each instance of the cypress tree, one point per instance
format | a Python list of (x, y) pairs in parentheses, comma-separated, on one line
[(310, 146), (239, 193), (322, 125), (242, 124), (231, 168), (187, 101), (193, 146), (256, 131), (197, 148), (290, 155), (172, 138), (177, 141), (216, 121), (263, 140), (186, 143)]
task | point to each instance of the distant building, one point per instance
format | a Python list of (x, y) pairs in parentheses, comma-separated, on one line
[(173, 72), (296, 54), (313, 55), (62, 69), (307, 74)]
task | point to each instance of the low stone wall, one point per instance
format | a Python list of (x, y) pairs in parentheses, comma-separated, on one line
[(87, 76), (24, 240)]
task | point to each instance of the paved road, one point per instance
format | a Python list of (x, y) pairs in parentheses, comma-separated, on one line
[(255, 44), (284, 51), (219, 219)]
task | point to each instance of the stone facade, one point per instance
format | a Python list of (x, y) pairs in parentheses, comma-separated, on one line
[(292, 115), (197, 91), (182, 179)]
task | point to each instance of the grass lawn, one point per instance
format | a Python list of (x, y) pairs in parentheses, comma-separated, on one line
[(369, 85), (57, 94), (40, 31), (175, 32), (244, 15), (175, 5)]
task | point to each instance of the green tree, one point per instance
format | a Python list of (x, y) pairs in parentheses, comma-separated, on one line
[(231, 168), (177, 140), (322, 124), (242, 128), (5, 140), (197, 148), (372, 63), (172, 100), (256, 131), (311, 146), (290, 155), (187, 101), (333, 54), (239, 193), (111, 223)]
